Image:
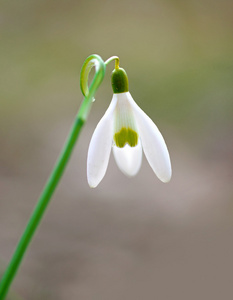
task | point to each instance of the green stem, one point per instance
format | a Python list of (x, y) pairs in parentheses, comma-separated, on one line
[(117, 61), (54, 178)]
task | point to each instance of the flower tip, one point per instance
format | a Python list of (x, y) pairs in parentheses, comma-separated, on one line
[(166, 177), (92, 187), (92, 184), (166, 180)]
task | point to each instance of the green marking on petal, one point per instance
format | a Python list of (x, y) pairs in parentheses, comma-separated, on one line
[(124, 136)]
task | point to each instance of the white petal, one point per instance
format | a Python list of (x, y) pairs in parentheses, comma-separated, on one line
[(128, 158), (100, 147), (153, 143)]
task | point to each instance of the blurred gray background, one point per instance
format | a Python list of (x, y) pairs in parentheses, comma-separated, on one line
[(128, 238)]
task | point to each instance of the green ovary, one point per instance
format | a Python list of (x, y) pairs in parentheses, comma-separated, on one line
[(124, 136)]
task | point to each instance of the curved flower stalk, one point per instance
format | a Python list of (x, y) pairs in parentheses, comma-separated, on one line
[(56, 174), (127, 130)]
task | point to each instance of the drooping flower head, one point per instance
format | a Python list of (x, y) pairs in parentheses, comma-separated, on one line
[(127, 130)]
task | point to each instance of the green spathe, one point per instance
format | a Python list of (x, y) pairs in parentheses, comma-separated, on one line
[(126, 136), (119, 81)]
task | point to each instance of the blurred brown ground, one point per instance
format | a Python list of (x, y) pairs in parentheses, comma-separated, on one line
[(129, 238)]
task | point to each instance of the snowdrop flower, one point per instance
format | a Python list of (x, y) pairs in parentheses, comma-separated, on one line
[(127, 130)]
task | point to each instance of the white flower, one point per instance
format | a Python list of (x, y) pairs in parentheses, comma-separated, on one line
[(127, 129)]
